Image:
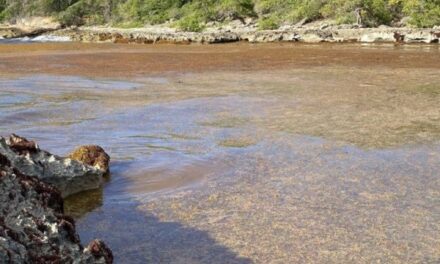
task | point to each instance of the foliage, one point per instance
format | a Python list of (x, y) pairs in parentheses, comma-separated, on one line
[(190, 23), (193, 14), (423, 13), (268, 23), (374, 12)]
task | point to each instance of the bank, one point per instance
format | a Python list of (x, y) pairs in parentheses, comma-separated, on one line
[(234, 31)]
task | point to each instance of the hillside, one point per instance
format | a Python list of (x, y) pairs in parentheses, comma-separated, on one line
[(192, 15)]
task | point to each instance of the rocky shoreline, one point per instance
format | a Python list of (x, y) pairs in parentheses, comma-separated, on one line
[(233, 32), (33, 226), (304, 35)]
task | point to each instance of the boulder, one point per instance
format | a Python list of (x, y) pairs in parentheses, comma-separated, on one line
[(92, 155), (33, 227), (69, 176)]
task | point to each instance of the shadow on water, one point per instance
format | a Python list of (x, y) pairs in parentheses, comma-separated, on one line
[(137, 236)]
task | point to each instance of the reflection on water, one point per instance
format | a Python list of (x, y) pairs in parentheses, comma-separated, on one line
[(80, 204), (332, 163)]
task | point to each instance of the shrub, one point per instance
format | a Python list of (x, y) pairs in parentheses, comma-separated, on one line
[(74, 15), (423, 13), (190, 23), (310, 10), (192, 14), (268, 23), (374, 12), (234, 9)]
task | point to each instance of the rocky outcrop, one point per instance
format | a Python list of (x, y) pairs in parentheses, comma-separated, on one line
[(29, 27), (249, 33), (67, 175), (92, 155), (33, 228), (237, 30), (10, 32)]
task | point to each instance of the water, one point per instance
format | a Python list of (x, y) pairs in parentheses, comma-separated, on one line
[(42, 39), (242, 153)]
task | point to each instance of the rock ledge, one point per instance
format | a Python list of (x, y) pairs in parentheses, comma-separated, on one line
[(33, 227)]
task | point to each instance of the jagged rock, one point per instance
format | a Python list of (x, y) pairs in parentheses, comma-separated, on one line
[(69, 176), (92, 155), (33, 227), (100, 251)]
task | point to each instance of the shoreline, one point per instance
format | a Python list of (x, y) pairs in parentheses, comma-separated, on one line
[(316, 33)]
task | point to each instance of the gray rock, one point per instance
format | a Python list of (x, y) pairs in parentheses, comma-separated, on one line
[(69, 176), (378, 37), (421, 37), (33, 227), (313, 37)]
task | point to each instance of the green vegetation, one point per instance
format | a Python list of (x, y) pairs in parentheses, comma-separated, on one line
[(192, 15)]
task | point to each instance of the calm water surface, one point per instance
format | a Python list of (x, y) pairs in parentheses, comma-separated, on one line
[(242, 153)]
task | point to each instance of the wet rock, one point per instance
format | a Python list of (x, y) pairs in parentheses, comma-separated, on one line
[(22, 145), (33, 227), (100, 251), (69, 176), (92, 155)]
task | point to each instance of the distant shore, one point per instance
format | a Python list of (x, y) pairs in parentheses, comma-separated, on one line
[(233, 32)]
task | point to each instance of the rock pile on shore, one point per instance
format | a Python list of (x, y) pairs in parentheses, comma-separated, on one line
[(310, 34), (33, 227), (237, 30)]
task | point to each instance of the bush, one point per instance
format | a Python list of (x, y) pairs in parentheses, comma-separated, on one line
[(74, 15), (190, 23), (192, 14), (268, 23), (234, 9), (374, 12), (423, 13), (310, 10)]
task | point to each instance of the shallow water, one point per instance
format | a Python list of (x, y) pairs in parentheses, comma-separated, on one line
[(242, 153)]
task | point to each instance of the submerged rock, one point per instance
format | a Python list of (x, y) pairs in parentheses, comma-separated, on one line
[(92, 155), (69, 176), (33, 227)]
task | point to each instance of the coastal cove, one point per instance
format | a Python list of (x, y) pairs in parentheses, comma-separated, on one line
[(240, 153)]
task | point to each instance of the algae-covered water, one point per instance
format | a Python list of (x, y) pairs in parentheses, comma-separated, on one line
[(242, 153)]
